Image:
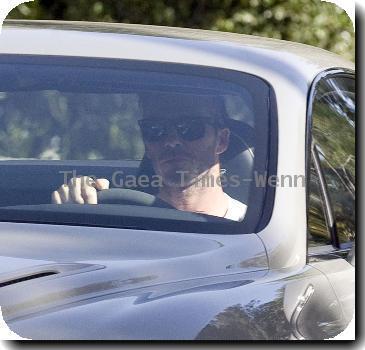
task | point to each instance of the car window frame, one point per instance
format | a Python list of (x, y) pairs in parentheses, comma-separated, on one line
[(335, 249), (323, 197), (251, 225)]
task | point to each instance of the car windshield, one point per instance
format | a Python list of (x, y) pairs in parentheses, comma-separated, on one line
[(171, 139)]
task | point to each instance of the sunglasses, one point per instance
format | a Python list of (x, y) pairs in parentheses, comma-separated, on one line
[(189, 129)]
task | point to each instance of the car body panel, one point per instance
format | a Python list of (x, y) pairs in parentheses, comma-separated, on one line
[(341, 276), (243, 306), (132, 254), (289, 74), (160, 35)]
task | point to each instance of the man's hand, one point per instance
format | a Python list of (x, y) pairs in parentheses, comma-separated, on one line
[(80, 190)]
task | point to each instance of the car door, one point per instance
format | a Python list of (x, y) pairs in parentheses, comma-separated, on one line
[(331, 191)]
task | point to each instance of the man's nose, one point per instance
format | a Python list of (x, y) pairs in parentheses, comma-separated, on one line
[(172, 138)]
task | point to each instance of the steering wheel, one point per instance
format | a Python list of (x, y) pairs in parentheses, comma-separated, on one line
[(131, 197)]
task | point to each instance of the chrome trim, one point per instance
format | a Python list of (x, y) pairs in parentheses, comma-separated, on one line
[(303, 300), (329, 255), (327, 202)]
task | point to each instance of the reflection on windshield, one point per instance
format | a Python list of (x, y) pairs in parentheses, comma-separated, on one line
[(334, 135), (55, 125)]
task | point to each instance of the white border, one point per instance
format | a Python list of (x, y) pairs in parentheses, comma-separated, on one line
[(349, 7), (7, 5)]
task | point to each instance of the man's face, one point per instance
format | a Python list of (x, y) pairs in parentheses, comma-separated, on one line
[(180, 162)]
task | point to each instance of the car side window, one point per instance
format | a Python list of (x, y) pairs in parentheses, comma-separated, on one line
[(318, 230), (333, 131)]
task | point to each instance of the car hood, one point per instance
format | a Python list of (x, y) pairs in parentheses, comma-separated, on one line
[(47, 268)]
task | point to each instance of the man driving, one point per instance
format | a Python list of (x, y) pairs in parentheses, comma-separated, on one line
[(184, 137)]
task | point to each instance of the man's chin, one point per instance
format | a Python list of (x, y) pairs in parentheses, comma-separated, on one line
[(178, 180)]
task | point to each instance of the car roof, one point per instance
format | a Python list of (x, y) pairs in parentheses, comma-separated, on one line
[(252, 54)]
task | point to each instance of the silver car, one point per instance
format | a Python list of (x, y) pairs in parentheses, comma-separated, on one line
[(256, 243)]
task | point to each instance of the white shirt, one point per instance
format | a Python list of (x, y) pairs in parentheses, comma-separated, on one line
[(236, 210)]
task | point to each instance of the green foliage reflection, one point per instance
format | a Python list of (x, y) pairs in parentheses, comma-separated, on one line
[(54, 125)]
